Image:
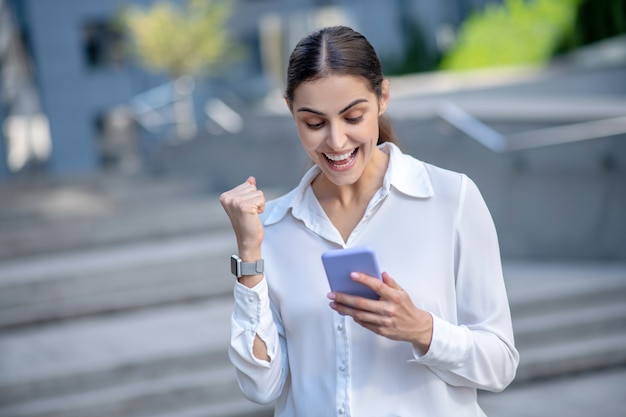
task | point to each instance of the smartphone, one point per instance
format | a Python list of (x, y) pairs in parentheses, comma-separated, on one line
[(339, 263)]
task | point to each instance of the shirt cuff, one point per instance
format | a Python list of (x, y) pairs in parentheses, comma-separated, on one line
[(449, 347), (253, 314)]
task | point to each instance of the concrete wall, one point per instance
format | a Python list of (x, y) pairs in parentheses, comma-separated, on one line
[(561, 202), (4, 168)]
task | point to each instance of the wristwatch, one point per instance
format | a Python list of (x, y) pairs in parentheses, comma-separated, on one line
[(240, 268)]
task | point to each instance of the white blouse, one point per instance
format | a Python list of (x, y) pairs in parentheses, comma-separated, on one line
[(433, 233)]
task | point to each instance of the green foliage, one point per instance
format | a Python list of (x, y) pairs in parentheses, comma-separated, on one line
[(517, 32), (179, 39)]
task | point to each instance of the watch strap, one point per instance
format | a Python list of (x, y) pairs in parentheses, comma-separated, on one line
[(252, 268)]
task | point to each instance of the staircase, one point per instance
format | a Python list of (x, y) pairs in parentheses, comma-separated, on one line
[(568, 317), (137, 324)]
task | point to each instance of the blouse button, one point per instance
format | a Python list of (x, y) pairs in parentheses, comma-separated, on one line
[(340, 327), (251, 299), (252, 321), (342, 368), (341, 411)]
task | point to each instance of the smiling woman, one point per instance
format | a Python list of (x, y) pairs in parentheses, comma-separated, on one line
[(441, 327)]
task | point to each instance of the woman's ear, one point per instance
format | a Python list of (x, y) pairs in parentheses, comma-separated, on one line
[(384, 97)]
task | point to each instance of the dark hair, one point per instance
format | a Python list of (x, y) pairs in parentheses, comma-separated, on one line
[(337, 50)]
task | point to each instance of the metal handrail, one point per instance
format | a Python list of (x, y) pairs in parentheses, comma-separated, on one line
[(551, 136), (169, 104)]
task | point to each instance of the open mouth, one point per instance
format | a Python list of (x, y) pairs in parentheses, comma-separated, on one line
[(342, 161)]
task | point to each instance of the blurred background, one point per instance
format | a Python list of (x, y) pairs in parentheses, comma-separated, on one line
[(121, 122)]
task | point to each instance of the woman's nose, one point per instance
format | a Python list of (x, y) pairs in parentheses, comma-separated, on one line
[(337, 137)]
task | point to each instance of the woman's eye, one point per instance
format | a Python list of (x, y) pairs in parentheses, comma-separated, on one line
[(315, 125), (354, 119)]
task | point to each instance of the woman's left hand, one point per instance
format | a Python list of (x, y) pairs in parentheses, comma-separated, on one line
[(393, 316)]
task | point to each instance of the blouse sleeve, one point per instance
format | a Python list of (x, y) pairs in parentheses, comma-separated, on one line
[(260, 381), (477, 351)]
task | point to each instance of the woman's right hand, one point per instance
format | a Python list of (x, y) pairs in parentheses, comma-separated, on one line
[(243, 205)]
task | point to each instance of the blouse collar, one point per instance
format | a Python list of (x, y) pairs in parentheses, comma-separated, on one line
[(404, 173)]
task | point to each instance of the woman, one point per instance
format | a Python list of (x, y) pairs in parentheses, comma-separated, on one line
[(441, 328)]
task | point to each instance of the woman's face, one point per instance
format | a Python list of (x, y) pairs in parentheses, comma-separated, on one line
[(337, 121)]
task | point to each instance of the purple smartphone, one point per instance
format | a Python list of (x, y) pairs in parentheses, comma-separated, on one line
[(339, 263)]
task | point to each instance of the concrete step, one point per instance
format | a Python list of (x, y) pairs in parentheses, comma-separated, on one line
[(599, 285), (235, 408), (135, 399), (598, 393), (571, 356), (101, 376), (103, 280), (128, 362), (570, 324), (94, 352), (144, 363), (567, 317), (57, 217), (211, 393)]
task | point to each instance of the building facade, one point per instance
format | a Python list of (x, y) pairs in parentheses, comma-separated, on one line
[(65, 71)]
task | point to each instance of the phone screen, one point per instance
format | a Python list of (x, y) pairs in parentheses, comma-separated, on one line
[(339, 263)]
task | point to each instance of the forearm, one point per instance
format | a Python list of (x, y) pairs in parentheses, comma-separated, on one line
[(259, 349), (256, 345), (483, 358), (261, 381)]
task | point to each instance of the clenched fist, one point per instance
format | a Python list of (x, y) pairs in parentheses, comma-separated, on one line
[(243, 205)]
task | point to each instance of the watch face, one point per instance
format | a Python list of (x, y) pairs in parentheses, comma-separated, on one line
[(234, 266)]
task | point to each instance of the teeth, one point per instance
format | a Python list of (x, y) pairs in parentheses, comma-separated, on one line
[(339, 157)]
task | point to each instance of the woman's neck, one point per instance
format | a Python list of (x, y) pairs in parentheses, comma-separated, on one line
[(345, 205), (360, 191)]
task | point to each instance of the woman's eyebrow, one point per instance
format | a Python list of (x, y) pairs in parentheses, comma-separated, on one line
[(310, 110), (345, 109), (354, 103)]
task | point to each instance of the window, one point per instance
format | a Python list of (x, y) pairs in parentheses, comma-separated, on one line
[(102, 45)]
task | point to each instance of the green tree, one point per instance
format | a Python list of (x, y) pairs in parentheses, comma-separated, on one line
[(179, 39), (516, 32)]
